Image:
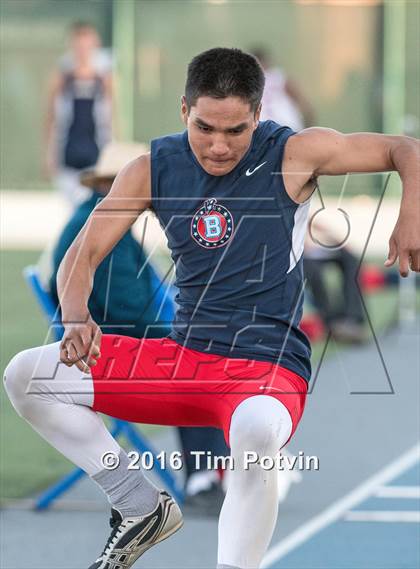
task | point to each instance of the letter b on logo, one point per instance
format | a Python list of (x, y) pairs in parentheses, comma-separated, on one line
[(213, 226)]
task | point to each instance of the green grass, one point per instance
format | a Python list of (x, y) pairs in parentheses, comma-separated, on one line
[(27, 462)]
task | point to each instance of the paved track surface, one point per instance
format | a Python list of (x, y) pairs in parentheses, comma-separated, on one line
[(381, 532)]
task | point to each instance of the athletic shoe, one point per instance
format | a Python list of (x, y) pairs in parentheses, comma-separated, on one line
[(348, 331), (206, 503), (132, 536)]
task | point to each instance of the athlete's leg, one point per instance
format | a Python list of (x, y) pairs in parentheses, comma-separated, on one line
[(56, 400), (261, 424)]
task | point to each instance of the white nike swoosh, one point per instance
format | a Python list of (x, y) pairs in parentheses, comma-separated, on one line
[(249, 172), (273, 388)]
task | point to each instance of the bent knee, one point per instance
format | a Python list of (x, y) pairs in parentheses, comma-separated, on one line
[(35, 376), (261, 424), (17, 377)]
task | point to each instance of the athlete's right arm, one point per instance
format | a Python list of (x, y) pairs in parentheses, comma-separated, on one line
[(129, 196)]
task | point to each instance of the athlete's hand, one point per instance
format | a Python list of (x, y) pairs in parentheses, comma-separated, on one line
[(81, 343), (404, 243)]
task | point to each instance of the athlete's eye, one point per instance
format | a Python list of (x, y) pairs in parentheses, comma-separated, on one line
[(203, 128), (236, 131)]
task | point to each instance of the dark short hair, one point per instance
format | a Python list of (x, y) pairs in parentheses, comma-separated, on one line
[(222, 72)]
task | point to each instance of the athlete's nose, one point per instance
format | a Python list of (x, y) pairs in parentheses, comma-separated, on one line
[(219, 148)]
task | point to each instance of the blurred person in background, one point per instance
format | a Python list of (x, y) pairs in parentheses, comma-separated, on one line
[(78, 121), (340, 307), (283, 100), (124, 285), (123, 301)]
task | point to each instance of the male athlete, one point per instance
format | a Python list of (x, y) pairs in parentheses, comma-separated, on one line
[(232, 195)]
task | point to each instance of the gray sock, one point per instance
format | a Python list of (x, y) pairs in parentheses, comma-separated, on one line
[(128, 491)]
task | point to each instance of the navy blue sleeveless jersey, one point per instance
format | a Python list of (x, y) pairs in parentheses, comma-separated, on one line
[(237, 244)]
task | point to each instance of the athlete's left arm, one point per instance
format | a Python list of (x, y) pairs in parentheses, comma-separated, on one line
[(320, 151)]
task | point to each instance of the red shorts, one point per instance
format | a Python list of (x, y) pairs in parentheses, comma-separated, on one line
[(159, 381)]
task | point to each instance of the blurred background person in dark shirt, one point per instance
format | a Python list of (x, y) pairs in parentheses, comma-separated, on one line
[(338, 304), (78, 121)]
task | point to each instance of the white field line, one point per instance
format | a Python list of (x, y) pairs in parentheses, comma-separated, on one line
[(398, 492), (380, 516), (341, 506)]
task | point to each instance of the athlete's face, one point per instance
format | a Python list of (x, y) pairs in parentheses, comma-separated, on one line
[(219, 131)]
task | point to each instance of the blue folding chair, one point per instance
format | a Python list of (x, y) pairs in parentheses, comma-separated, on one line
[(118, 427)]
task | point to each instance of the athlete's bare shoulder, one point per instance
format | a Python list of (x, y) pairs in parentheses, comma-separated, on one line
[(133, 184)]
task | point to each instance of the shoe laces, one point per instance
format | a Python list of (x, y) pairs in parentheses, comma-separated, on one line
[(115, 522)]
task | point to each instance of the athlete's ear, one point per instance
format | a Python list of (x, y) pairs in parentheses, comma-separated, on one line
[(184, 110)]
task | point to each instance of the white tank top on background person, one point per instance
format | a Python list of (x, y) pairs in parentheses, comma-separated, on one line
[(277, 105)]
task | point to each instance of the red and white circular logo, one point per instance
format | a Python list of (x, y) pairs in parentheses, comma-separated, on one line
[(212, 225)]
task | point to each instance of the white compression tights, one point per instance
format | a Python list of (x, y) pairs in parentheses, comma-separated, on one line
[(56, 401)]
